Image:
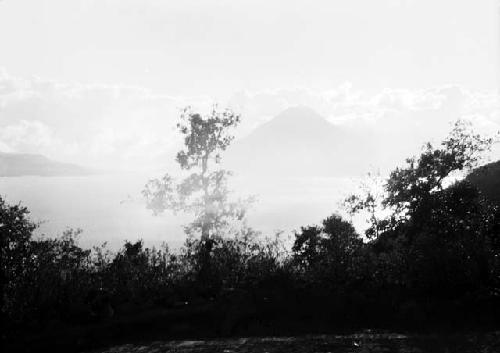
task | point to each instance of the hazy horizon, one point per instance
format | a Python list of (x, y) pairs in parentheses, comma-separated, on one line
[(109, 94), (101, 84)]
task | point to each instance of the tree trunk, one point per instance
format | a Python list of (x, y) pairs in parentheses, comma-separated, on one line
[(205, 226)]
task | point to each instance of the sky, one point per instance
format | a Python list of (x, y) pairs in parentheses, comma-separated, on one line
[(101, 82)]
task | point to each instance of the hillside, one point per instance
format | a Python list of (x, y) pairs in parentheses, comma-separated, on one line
[(299, 142), (487, 179), (20, 164)]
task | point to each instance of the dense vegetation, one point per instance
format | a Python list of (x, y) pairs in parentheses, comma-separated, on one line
[(487, 180), (432, 261)]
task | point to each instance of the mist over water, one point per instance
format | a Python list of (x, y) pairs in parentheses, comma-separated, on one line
[(111, 208)]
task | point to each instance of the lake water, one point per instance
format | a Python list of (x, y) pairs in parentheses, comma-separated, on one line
[(110, 207)]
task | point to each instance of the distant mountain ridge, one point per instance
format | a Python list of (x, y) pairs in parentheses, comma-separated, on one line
[(299, 142), (23, 164)]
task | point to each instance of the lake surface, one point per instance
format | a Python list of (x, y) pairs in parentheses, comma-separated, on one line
[(357, 343), (110, 207)]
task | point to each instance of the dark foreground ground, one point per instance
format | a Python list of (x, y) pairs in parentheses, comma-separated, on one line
[(362, 342), (203, 329)]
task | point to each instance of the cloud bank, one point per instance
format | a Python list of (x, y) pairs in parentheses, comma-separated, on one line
[(97, 125), (126, 127)]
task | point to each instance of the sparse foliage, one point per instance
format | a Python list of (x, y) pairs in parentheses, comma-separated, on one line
[(204, 192)]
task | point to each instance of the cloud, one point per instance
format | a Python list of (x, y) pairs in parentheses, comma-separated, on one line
[(395, 121), (345, 104), (32, 134), (98, 125), (111, 126)]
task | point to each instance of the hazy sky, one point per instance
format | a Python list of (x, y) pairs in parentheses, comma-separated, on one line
[(101, 80), (215, 47)]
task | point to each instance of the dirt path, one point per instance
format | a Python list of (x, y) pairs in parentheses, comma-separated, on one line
[(386, 343)]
